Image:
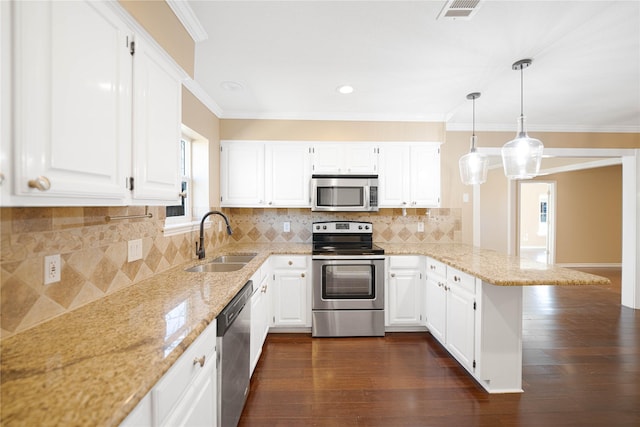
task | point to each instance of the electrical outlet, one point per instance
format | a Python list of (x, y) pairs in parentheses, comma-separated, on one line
[(421, 227), (134, 252), (465, 197), (286, 226), (51, 269)]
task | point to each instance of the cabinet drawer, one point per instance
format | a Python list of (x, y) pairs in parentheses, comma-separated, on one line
[(399, 261), (459, 278), (289, 261), (436, 267), (181, 375)]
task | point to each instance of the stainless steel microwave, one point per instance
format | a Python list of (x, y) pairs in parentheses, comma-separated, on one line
[(344, 193)]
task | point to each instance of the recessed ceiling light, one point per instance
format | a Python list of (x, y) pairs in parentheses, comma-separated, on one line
[(231, 86), (345, 89)]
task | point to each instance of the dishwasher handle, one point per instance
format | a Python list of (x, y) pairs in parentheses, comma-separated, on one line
[(231, 311)]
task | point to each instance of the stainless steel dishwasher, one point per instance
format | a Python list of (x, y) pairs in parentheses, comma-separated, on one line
[(234, 329)]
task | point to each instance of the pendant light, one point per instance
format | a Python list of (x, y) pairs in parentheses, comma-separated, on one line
[(473, 165), (521, 156)]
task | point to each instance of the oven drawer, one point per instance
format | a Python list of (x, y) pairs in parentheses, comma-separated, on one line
[(288, 261), (348, 323)]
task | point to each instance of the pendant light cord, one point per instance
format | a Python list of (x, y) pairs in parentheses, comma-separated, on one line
[(521, 91)]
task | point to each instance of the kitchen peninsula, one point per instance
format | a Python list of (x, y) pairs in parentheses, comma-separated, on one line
[(93, 365)]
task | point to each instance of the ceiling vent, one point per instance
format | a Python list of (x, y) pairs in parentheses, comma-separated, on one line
[(459, 9)]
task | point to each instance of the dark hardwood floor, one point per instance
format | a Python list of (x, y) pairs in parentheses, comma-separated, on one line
[(581, 367)]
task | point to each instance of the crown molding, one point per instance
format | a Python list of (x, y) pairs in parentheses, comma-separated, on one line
[(495, 127), (189, 20), (202, 96)]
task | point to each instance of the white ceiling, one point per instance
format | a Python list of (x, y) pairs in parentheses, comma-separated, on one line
[(290, 56)]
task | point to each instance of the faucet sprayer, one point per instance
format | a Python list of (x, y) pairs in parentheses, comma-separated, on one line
[(200, 250)]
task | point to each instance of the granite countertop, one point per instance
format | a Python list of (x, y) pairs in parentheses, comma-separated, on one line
[(93, 365), (494, 267)]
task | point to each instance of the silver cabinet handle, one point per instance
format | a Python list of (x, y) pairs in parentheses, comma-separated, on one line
[(199, 361), (1, 178), (264, 289), (41, 183), (182, 194)]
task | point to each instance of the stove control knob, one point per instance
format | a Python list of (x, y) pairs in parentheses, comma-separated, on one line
[(359, 227), (366, 227), (324, 227)]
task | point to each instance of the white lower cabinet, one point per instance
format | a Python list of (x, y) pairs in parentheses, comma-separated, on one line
[(259, 313), (461, 314), (404, 288), (186, 394), (291, 291), (450, 310)]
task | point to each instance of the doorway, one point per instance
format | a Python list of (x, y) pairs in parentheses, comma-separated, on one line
[(536, 220)]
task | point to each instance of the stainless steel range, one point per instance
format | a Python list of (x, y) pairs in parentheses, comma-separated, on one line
[(348, 280)]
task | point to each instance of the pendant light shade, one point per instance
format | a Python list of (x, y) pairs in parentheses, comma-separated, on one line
[(521, 156), (473, 165)]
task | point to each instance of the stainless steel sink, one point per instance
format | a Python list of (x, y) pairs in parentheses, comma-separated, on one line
[(234, 258), (216, 267)]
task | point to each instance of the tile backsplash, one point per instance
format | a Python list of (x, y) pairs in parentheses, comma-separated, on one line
[(93, 251)]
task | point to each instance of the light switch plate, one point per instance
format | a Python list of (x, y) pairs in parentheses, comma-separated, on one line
[(286, 226), (421, 227), (134, 252)]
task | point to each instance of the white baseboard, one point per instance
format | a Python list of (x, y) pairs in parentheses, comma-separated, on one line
[(590, 265)]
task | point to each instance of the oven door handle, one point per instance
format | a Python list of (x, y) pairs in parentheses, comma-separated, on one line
[(348, 257)]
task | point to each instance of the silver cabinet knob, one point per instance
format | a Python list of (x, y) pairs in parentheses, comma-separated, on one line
[(393, 274), (182, 194), (199, 360), (290, 262), (302, 275), (41, 183)]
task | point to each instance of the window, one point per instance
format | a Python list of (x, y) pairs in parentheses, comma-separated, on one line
[(194, 184), (543, 203), (182, 213)]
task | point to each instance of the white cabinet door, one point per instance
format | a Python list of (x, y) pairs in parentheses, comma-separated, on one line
[(328, 159), (157, 101), (394, 177), (425, 175), (361, 159), (346, 158), (72, 109), (436, 307), (288, 174), (198, 407), (290, 298), (291, 291), (461, 325), (404, 297), (409, 175), (242, 173), (259, 320)]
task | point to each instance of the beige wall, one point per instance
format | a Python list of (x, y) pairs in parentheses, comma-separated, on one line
[(325, 130), (157, 18), (494, 212), (589, 215), (198, 118)]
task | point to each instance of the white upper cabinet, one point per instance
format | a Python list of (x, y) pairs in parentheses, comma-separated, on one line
[(265, 174), (73, 77), (157, 101), (242, 173), (409, 175), (288, 174), (72, 98), (345, 158)]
